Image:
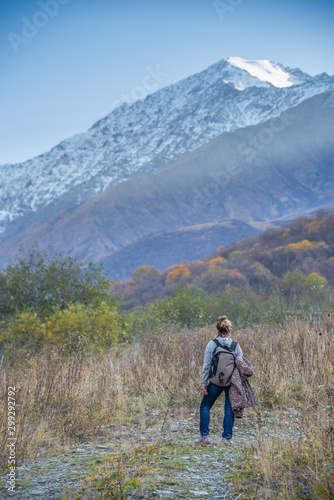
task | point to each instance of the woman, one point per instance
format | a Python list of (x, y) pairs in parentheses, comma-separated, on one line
[(211, 392)]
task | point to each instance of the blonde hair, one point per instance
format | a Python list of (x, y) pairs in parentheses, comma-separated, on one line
[(223, 325)]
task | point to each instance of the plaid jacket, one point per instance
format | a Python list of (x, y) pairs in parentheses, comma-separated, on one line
[(241, 394)]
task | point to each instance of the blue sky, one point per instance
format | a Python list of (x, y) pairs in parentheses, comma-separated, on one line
[(60, 77)]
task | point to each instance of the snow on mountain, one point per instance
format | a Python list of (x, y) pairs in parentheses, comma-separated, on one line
[(138, 138), (264, 71)]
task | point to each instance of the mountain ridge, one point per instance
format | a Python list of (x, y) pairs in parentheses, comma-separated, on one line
[(139, 138), (290, 175)]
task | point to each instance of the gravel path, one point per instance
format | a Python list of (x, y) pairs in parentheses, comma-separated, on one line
[(193, 472)]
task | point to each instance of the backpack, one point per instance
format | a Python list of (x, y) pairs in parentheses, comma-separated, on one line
[(222, 364)]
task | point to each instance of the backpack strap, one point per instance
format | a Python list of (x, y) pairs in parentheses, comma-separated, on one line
[(233, 345), (218, 344)]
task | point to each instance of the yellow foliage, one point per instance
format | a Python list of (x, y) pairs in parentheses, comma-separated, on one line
[(315, 281), (101, 325), (301, 246), (315, 226), (235, 253), (216, 264), (27, 326), (179, 272)]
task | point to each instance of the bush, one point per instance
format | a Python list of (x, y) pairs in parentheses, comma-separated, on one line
[(186, 307), (305, 290), (101, 326), (43, 281)]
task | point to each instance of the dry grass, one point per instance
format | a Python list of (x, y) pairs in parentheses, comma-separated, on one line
[(64, 395)]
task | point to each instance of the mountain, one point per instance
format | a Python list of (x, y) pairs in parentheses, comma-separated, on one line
[(140, 138), (252, 177)]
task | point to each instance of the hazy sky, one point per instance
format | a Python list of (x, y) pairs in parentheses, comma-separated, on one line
[(66, 63)]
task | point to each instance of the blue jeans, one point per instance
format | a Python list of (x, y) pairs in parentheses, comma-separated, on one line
[(207, 402)]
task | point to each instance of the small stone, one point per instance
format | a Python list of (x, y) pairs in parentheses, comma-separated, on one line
[(102, 447), (38, 491), (166, 493), (199, 493), (112, 425), (256, 458), (79, 450), (174, 427)]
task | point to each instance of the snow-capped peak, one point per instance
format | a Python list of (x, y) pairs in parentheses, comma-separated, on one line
[(264, 71)]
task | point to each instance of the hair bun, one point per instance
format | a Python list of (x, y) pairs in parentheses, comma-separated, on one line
[(223, 324)]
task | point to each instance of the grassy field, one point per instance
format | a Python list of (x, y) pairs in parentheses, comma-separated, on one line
[(64, 395)]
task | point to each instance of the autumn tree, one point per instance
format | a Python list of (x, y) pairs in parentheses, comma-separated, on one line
[(178, 272), (260, 276)]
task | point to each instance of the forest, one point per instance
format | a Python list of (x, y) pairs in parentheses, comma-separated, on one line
[(293, 260)]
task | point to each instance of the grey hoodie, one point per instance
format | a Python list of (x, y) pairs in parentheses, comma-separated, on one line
[(208, 356)]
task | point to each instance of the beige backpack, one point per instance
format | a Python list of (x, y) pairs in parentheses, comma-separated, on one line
[(222, 364)]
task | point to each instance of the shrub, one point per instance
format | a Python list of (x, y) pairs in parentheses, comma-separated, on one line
[(101, 326), (304, 290), (43, 281)]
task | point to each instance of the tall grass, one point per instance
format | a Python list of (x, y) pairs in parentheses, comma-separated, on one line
[(65, 394)]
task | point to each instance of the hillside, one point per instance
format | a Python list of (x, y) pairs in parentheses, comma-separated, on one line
[(142, 137), (229, 179), (305, 246), (164, 248)]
